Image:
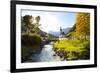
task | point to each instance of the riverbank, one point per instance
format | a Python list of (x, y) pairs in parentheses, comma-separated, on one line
[(72, 49), (30, 44), (28, 51)]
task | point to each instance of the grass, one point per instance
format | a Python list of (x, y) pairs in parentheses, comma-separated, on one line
[(75, 49)]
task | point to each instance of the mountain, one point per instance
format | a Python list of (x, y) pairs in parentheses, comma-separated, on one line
[(73, 28), (43, 34), (54, 33), (66, 30), (57, 33)]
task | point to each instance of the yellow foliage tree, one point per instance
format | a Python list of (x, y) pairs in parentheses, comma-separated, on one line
[(82, 25)]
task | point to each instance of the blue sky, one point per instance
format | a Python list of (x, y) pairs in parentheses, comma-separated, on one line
[(66, 19), (52, 21)]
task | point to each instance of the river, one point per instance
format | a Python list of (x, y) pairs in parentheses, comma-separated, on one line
[(47, 54)]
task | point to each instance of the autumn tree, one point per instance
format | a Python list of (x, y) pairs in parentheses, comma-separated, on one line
[(82, 25)]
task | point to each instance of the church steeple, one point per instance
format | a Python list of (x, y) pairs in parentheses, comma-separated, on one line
[(62, 34), (60, 30)]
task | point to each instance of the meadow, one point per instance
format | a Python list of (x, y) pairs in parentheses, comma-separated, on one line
[(72, 49)]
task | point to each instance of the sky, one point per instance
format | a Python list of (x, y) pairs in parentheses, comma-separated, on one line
[(52, 21)]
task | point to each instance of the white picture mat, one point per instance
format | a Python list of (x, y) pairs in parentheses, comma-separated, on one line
[(20, 65)]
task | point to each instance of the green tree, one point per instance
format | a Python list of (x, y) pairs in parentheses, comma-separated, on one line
[(29, 23), (36, 24)]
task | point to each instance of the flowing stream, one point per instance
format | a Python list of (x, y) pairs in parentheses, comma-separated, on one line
[(47, 54)]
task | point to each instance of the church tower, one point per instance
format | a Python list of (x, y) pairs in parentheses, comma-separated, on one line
[(62, 34), (61, 31)]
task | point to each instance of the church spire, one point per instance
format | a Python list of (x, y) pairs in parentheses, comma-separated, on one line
[(62, 34), (60, 30)]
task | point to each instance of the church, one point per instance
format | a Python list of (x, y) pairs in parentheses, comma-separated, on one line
[(62, 35)]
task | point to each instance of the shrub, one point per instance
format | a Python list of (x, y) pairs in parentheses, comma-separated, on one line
[(30, 40), (31, 44)]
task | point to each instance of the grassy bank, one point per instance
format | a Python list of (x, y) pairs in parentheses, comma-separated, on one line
[(72, 49)]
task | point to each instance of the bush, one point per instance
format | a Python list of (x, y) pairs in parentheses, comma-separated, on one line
[(26, 51), (30, 40), (30, 44)]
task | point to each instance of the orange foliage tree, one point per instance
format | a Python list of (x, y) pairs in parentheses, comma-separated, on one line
[(82, 25)]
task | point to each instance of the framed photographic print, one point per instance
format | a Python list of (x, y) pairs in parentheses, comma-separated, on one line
[(52, 36)]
